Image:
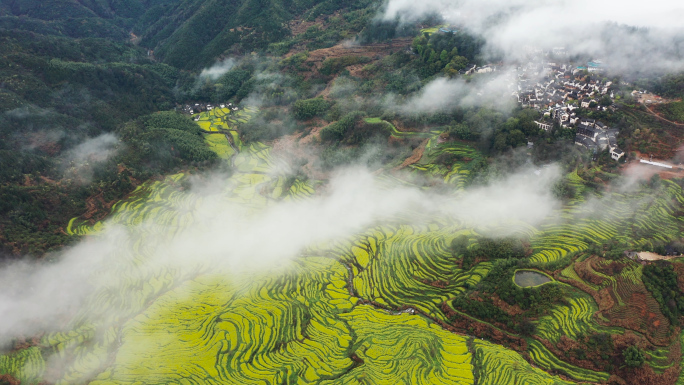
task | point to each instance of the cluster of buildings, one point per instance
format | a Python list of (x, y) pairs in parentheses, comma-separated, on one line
[(196, 108), (557, 90), (596, 136), (546, 85), (590, 133)]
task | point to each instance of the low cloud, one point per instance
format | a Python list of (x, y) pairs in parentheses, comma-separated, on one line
[(35, 297), (97, 149), (78, 162), (27, 111), (270, 89), (444, 94), (604, 30), (236, 238), (219, 69)]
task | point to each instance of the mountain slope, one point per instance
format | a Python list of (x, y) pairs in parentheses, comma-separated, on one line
[(195, 33)]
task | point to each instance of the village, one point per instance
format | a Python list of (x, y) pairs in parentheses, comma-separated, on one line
[(559, 91), (197, 108)]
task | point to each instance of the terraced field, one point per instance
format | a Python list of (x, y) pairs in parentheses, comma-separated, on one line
[(462, 156), (365, 309), (219, 126), (26, 365), (572, 319), (680, 380), (432, 30), (502, 366), (545, 359), (351, 311), (637, 219)]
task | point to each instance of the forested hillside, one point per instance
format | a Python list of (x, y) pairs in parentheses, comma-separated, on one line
[(73, 71), (183, 33)]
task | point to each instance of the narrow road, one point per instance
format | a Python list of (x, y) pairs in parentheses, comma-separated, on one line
[(415, 156), (660, 117), (231, 142)]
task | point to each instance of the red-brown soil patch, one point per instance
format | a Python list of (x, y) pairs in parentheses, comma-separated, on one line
[(512, 310), (640, 312), (438, 284), (415, 156), (645, 375), (622, 302), (585, 270), (373, 51), (466, 325), (9, 380), (679, 269), (96, 207)]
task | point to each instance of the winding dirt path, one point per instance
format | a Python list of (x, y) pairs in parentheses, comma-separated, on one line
[(660, 117), (415, 157), (231, 142)]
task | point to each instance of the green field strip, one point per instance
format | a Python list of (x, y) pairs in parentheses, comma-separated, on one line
[(680, 379), (26, 365), (659, 359), (306, 323), (220, 145), (547, 360), (571, 319), (432, 30), (401, 134), (498, 365), (614, 217), (405, 264), (404, 349)]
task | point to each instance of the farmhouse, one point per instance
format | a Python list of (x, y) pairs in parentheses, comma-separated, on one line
[(616, 153), (597, 136), (588, 129), (544, 126), (595, 66), (586, 142)]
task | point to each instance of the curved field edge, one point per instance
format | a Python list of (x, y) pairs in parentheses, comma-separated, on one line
[(306, 325), (351, 311)]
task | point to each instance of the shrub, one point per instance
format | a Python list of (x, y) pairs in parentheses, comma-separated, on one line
[(337, 131), (634, 357), (335, 65), (170, 119), (308, 108)]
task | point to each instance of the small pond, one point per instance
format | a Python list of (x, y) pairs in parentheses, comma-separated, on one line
[(528, 278)]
